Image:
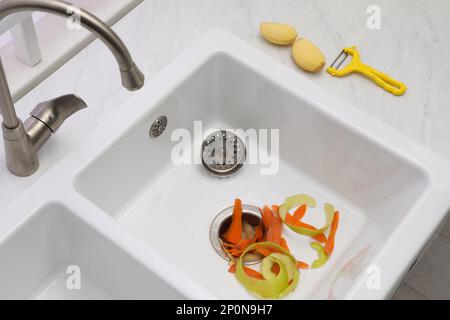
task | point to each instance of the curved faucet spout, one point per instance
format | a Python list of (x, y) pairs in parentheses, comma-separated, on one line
[(22, 142), (89, 21)]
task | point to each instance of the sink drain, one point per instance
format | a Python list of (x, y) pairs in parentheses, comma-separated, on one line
[(250, 216), (158, 127), (223, 153)]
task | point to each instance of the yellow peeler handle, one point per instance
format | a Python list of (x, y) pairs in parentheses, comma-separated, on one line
[(381, 79)]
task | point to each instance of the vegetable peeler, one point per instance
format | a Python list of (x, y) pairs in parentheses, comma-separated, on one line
[(383, 80)]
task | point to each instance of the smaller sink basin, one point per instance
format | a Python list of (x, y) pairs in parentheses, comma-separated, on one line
[(37, 256)]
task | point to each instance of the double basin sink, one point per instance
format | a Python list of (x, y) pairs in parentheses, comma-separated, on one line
[(135, 223)]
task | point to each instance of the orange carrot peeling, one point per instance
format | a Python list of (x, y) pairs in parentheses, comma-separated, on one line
[(329, 245), (263, 250), (275, 208), (290, 220), (320, 238), (235, 252), (253, 273), (284, 245), (234, 232), (302, 265), (299, 213), (243, 243), (249, 271), (275, 268), (274, 233), (267, 217), (259, 234)]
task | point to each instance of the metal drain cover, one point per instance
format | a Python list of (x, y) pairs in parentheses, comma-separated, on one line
[(223, 153), (221, 223), (158, 127)]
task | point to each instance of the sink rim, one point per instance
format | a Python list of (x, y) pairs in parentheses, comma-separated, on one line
[(64, 174)]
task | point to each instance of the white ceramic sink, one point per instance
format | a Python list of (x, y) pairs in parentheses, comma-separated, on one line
[(39, 256), (136, 213)]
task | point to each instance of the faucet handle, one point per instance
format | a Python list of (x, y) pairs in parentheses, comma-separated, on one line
[(54, 112)]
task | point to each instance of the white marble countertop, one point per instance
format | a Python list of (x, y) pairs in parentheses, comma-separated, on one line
[(411, 46)]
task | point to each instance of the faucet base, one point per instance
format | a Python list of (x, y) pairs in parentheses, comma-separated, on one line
[(21, 158), (23, 141)]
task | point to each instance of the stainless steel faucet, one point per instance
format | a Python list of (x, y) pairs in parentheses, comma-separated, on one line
[(23, 140)]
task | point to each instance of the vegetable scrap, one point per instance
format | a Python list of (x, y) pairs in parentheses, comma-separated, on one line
[(323, 257), (269, 284), (279, 269)]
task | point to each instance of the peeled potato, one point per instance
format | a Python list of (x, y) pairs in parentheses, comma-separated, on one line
[(308, 56), (278, 33)]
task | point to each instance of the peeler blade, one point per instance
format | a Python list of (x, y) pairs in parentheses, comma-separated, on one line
[(339, 60)]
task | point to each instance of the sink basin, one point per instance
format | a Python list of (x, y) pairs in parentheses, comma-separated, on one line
[(133, 190), (38, 257)]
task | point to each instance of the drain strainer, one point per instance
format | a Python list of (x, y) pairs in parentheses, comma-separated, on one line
[(223, 153), (158, 127), (250, 215)]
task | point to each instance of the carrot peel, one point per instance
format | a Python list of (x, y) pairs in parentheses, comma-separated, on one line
[(249, 271), (284, 244), (267, 217), (303, 199), (329, 245), (234, 232), (300, 212), (302, 265)]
